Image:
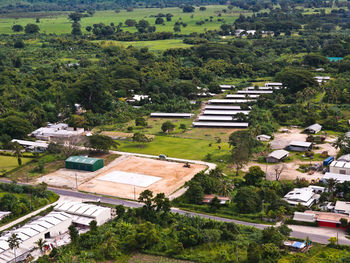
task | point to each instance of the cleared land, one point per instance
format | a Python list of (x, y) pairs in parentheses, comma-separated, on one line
[(173, 175), (59, 23)]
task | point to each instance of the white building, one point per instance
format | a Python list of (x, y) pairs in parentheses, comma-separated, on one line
[(51, 225), (344, 158), (170, 115), (306, 196), (82, 214), (314, 128), (338, 167), (59, 131), (277, 156), (263, 137), (30, 146), (322, 79), (274, 84), (342, 207), (340, 178)]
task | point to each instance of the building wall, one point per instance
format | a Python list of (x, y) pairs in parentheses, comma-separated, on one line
[(338, 170), (326, 224), (298, 149), (54, 231), (271, 160), (103, 217)]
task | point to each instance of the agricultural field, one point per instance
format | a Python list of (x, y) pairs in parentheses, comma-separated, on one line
[(58, 23), (8, 163)]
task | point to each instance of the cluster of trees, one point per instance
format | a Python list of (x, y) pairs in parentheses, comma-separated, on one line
[(153, 228), (22, 199)]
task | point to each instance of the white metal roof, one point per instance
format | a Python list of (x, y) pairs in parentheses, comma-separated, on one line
[(242, 96), (222, 107), (31, 143), (340, 164), (225, 112), (315, 127), (228, 101), (164, 114), (82, 209), (300, 194), (221, 124), (215, 118), (300, 144), (338, 177), (255, 91), (273, 84), (278, 154), (341, 205), (224, 86)]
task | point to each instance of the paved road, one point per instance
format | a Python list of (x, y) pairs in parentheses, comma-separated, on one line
[(316, 234)]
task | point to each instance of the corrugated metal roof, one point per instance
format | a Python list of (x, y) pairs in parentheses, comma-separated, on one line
[(82, 159), (300, 144), (221, 124), (225, 112)]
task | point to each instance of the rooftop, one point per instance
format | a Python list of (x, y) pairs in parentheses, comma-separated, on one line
[(221, 124), (225, 112), (82, 159), (278, 154), (340, 164), (300, 143)]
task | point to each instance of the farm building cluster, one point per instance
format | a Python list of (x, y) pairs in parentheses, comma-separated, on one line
[(52, 228)]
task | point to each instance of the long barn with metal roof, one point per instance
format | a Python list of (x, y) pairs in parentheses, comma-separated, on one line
[(51, 225), (84, 163)]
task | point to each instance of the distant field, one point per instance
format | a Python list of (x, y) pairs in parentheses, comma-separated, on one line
[(177, 147), (8, 162), (59, 24), (155, 45)]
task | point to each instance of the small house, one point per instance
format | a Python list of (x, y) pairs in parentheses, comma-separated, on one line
[(277, 156), (263, 137), (306, 196), (84, 163), (314, 128), (342, 207), (299, 146)]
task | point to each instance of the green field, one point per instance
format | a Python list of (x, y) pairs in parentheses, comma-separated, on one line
[(59, 23), (154, 45), (8, 162), (177, 147)]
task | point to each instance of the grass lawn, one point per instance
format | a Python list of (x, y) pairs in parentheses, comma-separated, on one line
[(59, 23), (8, 162), (178, 147)]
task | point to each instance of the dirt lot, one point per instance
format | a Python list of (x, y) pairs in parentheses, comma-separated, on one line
[(289, 173), (281, 140), (173, 175), (70, 178)]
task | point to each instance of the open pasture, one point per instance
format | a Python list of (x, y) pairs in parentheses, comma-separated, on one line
[(58, 23)]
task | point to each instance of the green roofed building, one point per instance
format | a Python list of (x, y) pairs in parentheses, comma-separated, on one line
[(84, 163)]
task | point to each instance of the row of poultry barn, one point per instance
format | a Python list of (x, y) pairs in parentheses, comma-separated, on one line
[(228, 112)]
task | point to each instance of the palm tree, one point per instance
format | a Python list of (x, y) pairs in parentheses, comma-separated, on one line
[(14, 242), (40, 244), (17, 151)]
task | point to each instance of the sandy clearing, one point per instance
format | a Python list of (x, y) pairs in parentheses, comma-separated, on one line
[(173, 175)]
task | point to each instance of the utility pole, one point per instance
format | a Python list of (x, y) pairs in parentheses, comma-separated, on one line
[(76, 182), (134, 192)]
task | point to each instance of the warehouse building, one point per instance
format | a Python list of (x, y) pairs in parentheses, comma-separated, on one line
[(218, 124), (230, 101), (82, 214), (51, 225), (59, 131), (242, 96), (255, 92), (222, 107), (225, 112), (84, 163), (339, 167), (30, 146)]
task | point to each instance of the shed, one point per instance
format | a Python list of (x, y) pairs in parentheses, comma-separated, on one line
[(277, 156), (263, 137), (84, 163), (299, 146), (344, 158), (314, 128)]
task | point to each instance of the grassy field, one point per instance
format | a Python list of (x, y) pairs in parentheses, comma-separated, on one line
[(59, 24), (154, 45), (178, 147), (8, 162)]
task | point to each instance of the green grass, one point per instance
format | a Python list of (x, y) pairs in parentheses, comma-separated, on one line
[(59, 24), (154, 45), (177, 147), (8, 162)]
